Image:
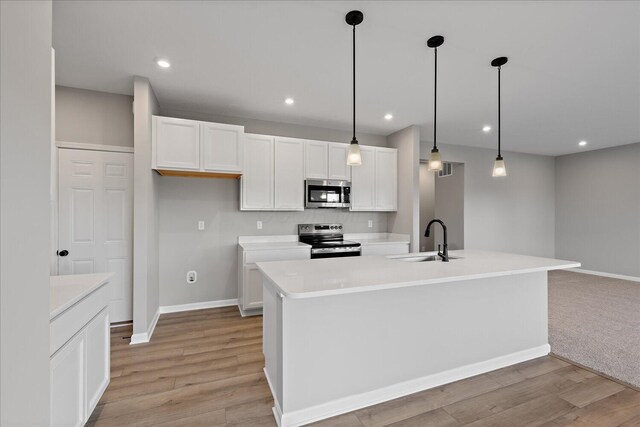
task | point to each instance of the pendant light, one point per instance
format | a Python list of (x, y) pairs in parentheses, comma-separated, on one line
[(499, 168), (435, 161), (354, 158)]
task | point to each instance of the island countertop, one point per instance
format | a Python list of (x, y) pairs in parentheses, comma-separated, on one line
[(67, 290), (333, 276)]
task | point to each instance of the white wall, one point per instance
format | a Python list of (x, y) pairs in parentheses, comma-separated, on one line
[(427, 205), (146, 289), (213, 252), (449, 207), (512, 214), (598, 209), (93, 117), (406, 220), (25, 153)]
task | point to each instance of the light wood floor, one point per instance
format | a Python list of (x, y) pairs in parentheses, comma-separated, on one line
[(205, 368)]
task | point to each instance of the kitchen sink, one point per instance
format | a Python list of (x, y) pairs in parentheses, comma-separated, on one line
[(423, 258)]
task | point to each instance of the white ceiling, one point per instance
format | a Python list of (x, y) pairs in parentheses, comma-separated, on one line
[(573, 71)]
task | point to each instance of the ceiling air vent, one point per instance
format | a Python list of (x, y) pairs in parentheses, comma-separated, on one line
[(447, 170)]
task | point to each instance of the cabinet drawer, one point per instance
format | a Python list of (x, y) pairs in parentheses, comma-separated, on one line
[(251, 257), (69, 322)]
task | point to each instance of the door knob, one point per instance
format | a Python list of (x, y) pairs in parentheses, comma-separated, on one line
[(63, 252)]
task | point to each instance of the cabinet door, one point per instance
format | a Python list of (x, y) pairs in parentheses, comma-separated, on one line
[(252, 288), (67, 385), (363, 195), (176, 143), (338, 168), (386, 179), (257, 179), (289, 174), (98, 358), (316, 159), (221, 147)]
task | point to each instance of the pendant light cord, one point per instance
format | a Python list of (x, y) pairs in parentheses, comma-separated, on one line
[(499, 127), (435, 97), (354, 84)]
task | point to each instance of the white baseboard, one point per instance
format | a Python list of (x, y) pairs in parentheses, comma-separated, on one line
[(359, 401), (144, 337), (603, 274), (248, 313), (198, 305)]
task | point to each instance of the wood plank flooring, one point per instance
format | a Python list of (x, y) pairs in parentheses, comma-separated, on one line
[(204, 368)]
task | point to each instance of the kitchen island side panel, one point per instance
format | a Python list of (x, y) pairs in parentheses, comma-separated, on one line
[(341, 346), (272, 339)]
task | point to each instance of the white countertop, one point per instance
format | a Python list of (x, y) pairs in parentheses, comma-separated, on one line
[(378, 238), (65, 291), (333, 276), (272, 245)]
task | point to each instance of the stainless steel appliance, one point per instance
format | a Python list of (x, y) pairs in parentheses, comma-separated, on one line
[(327, 193), (327, 241)]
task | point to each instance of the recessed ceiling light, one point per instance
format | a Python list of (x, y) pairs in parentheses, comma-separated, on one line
[(582, 143), (289, 101), (163, 63), (388, 116), (486, 128)]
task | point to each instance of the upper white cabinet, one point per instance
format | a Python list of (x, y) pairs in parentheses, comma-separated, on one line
[(386, 179), (338, 168), (197, 147), (363, 181), (273, 176), (374, 184), (326, 160), (176, 144), (257, 182), (289, 174), (221, 147), (316, 156)]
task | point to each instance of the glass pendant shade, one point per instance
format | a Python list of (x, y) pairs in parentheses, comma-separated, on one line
[(499, 168), (354, 158), (435, 161)]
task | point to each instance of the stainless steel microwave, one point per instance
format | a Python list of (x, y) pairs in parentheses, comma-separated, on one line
[(327, 193)]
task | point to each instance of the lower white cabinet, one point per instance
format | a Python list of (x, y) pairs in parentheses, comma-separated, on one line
[(68, 384), (250, 277), (80, 372)]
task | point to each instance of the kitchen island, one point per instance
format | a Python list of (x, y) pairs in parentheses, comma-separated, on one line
[(344, 333)]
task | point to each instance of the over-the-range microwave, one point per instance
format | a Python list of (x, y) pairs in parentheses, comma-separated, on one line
[(327, 193)]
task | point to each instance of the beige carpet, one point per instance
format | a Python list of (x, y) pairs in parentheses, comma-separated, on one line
[(595, 321)]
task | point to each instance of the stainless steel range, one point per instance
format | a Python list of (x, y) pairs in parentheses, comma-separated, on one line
[(327, 241)]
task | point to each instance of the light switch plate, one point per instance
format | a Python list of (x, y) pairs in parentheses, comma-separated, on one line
[(200, 225), (259, 225), (370, 223)]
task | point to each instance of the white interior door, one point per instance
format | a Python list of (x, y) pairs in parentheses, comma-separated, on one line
[(95, 225)]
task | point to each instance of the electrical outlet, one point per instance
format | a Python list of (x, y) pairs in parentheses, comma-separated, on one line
[(259, 225), (192, 277), (200, 225), (370, 223)]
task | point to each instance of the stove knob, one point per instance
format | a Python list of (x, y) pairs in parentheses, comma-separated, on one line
[(340, 227)]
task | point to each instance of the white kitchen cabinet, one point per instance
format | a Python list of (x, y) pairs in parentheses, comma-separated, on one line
[(67, 388), (176, 144), (338, 168), (289, 174), (386, 179), (98, 358), (79, 346), (257, 182), (316, 159), (196, 148), (221, 147), (363, 181), (253, 249), (374, 184), (326, 160)]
